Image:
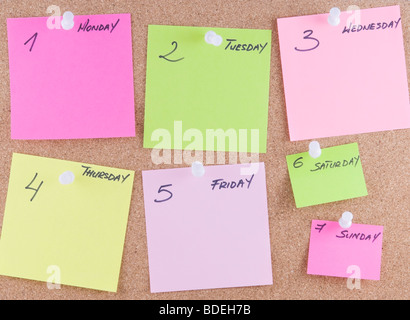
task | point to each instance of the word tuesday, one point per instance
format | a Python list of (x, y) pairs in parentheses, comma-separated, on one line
[(232, 45), (221, 184), (99, 27), (88, 172)]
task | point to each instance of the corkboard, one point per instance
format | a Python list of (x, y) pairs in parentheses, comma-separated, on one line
[(384, 159)]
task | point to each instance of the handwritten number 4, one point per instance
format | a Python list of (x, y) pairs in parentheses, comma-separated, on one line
[(308, 37), (34, 37), (28, 187)]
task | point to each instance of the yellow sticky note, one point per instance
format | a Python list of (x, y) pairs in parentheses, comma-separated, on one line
[(70, 234)]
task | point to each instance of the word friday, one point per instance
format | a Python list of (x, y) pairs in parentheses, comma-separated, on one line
[(221, 184), (88, 172), (99, 27), (371, 26), (232, 45), (329, 164)]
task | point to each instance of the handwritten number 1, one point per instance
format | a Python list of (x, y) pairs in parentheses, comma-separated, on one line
[(34, 40), (174, 43), (308, 37), (28, 187)]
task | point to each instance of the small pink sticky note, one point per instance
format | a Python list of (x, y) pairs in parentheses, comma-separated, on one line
[(345, 79), (71, 84), (207, 232), (334, 251)]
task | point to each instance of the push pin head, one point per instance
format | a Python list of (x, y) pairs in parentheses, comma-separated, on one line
[(212, 38), (346, 220), (334, 16), (66, 177), (68, 20), (198, 169), (314, 149)]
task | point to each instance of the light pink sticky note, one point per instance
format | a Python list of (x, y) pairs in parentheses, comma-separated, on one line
[(338, 252), (340, 82), (71, 84), (204, 233)]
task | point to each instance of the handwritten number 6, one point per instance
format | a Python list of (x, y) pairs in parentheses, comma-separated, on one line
[(308, 37), (162, 189), (298, 163)]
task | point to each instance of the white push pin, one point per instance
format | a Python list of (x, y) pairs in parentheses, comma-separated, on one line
[(198, 169), (68, 20), (66, 177), (334, 16), (346, 220), (314, 149), (212, 38)]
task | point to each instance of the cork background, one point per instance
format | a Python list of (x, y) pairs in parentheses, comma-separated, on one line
[(384, 156)]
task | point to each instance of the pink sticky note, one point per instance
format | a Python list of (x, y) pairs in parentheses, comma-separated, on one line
[(334, 251), (71, 84), (207, 232), (344, 79)]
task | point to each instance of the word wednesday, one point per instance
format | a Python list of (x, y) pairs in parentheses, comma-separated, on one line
[(88, 172), (244, 47), (329, 164), (99, 27), (371, 26), (231, 184)]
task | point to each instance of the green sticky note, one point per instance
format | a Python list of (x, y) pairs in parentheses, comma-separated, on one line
[(335, 175), (205, 97)]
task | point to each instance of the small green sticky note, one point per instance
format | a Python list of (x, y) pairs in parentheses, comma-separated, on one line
[(336, 175), (205, 97)]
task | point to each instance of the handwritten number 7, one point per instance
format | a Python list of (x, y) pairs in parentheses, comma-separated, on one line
[(28, 187), (162, 189), (308, 37), (34, 40)]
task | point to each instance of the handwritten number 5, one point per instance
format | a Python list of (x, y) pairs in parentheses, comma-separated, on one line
[(34, 37), (308, 37), (162, 189), (28, 187), (174, 43)]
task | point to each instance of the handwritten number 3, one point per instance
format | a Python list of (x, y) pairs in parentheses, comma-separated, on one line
[(308, 37), (174, 43)]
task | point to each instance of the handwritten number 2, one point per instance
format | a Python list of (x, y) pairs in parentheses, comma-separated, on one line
[(28, 187), (162, 189), (174, 43), (308, 37), (34, 40)]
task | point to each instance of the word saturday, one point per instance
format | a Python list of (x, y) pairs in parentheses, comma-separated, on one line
[(329, 164)]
